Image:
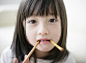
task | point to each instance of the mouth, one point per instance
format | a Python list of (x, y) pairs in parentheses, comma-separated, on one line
[(44, 41)]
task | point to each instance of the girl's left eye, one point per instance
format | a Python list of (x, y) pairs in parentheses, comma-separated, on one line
[(52, 20), (32, 22)]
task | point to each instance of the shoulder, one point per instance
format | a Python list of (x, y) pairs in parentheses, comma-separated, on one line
[(7, 55), (70, 59)]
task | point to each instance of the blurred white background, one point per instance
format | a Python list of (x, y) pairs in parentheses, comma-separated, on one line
[(76, 39), (76, 15)]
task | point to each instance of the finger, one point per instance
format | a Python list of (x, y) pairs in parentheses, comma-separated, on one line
[(27, 61), (15, 60)]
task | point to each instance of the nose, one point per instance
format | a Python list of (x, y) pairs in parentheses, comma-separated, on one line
[(43, 30)]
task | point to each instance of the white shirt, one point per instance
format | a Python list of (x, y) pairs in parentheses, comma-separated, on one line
[(7, 57)]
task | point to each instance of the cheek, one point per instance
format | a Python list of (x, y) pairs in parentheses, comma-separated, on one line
[(56, 33), (30, 36)]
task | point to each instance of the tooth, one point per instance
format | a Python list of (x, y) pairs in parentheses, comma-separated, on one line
[(43, 40)]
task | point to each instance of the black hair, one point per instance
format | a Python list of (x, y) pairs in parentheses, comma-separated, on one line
[(20, 45)]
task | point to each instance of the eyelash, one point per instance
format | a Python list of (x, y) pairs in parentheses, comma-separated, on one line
[(34, 21), (54, 20)]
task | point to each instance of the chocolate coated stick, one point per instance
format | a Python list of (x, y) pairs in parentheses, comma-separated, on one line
[(60, 48), (31, 52)]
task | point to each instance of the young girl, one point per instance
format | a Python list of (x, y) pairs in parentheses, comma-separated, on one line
[(41, 20)]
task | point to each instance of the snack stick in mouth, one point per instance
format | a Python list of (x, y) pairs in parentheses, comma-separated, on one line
[(31, 52), (60, 48)]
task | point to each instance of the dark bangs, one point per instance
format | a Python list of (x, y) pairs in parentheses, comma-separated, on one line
[(40, 7)]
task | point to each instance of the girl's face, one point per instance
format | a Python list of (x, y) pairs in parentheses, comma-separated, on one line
[(43, 28)]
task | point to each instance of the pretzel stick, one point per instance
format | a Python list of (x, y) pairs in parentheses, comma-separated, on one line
[(60, 48), (31, 52)]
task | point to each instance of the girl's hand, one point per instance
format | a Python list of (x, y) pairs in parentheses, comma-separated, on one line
[(16, 61)]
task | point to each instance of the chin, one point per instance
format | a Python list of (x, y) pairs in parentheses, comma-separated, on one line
[(45, 49)]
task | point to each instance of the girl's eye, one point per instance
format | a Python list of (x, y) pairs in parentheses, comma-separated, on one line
[(52, 20), (32, 22)]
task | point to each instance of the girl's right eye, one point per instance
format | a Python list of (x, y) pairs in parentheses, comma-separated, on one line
[(32, 21)]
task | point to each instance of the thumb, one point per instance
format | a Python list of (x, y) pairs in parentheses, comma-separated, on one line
[(27, 61), (15, 60)]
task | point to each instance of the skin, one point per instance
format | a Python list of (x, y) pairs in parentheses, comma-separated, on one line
[(41, 27)]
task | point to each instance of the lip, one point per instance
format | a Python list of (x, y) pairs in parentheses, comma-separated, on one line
[(44, 40)]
